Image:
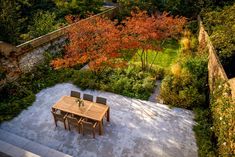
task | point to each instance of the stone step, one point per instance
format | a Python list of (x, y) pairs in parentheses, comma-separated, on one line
[(9, 150), (27, 145)]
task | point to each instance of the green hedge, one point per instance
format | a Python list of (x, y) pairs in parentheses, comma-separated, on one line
[(131, 82)]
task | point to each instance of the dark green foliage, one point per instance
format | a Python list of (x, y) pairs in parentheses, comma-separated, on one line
[(203, 129), (131, 82), (10, 109), (19, 95), (22, 20), (2, 74), (82, 7), (42, 23), (10, 20), (220, 25), (197, 67), (187, 8), (193, 26)]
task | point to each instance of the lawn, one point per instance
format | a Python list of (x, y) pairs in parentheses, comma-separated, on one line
[(164, 58)]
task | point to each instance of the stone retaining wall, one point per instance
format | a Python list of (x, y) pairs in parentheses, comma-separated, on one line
[(15, 60), (215, 68)]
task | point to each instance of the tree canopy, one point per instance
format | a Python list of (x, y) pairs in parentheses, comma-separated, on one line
[(99, 41)]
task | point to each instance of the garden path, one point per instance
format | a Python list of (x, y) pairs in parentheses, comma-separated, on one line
[(137, 128), (155, 94)]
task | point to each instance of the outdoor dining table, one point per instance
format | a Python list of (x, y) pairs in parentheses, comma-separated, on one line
[(90, 110)]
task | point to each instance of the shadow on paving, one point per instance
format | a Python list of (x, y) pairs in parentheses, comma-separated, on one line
[(137, 128)]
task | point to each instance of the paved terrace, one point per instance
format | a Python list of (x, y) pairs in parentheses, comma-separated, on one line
[(137, 128)]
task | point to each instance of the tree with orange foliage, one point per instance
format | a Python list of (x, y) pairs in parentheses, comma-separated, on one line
[(144, 32), (95, 41), (98, 41)]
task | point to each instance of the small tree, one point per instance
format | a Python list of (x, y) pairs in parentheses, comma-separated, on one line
[(145, 32), (96, 42)]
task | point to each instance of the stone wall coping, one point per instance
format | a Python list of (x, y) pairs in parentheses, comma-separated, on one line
[(212, 52), (6, 48)]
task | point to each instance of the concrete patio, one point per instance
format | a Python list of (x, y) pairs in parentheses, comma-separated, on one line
[(137, 128)]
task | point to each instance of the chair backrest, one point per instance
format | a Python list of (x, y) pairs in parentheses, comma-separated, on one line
[(101, 100), (57, 115), (88, 123), (88, 97), (72, 120), (75, 94)]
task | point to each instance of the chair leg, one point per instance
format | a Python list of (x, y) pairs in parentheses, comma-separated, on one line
[(69, 127), (55, 122), (82, 129), (79, 129), (93, 133), (64, 125)]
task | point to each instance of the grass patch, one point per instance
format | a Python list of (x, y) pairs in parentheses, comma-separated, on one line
[(164, 58)]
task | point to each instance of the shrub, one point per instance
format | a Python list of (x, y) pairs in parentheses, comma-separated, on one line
[(43, 22), (131, 82), (186, 85), (20, 94), (221, 26)]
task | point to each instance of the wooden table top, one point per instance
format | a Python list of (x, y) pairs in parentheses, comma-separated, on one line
[(91, 110)]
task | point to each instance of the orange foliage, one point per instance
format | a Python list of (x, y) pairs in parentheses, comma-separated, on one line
[(98, 41), (141, 29)]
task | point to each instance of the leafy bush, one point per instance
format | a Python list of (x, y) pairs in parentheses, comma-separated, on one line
[(43, 22), (220, 25), (186, 85), (130, 82), (18, 95)]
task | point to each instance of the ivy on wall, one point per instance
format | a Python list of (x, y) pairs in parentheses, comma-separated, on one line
[(223, 113)]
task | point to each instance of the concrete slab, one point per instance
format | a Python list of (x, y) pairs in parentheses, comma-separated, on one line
[(137, 128), (18, 146), (14, 151)]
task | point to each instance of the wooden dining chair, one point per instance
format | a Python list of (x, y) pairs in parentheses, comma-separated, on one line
[(88, 97), (75, 94), (88, 124), (74, 121), (101, 100), (59, 116)]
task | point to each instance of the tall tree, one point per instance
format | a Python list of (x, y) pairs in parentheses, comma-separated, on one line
[(96, 42), (145, 32)]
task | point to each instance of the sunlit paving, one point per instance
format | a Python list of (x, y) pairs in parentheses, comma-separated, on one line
[(136, 128), (117, 78)]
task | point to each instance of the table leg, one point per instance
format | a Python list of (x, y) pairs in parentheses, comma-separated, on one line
[(108, 115), (100, 128)]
